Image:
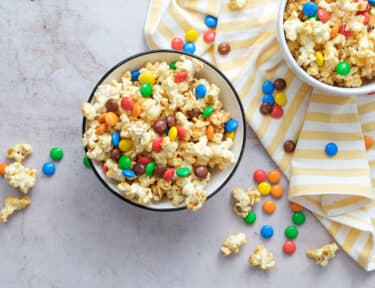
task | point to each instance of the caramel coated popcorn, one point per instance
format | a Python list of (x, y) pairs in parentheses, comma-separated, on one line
[(245, 200), (19, 152), (323, 254), (20, 177), (346, 34), (11, 205), (162, 128), (262, 258), (237, 4), (233, 243)]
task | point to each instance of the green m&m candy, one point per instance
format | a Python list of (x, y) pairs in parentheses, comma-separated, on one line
[(208, 111), (172, 66), (56, 153), (291, 232), (183, 172), (86, 162), (124, 162), (250, 218), (150, 168), (146, 90), (298, 218), (343, 68)]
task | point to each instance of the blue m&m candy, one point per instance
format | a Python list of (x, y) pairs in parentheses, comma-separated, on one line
[(309, 9), (231, 125), (200, 91), (268, 99), (115, 139), (268, 87), (135, 74), (266, 231), (331, 149), (189, 47), (371, 2), (128, 173), (48, 168), (210, 21)]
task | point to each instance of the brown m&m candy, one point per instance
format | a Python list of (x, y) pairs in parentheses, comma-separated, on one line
[(139, 169), (265, 108), (171, 121), (115, 154), (111, 105), (280, 84), (201, 171), (193, 113), (224, 48), (289, 146), (160, 126), (159, 171)]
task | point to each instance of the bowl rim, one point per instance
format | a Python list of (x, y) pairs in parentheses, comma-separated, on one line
[(368, 89), (234, 168)]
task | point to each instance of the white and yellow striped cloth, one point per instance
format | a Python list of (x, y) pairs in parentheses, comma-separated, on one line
[(338, 190)]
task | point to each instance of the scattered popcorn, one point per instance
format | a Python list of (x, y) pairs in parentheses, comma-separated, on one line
[(323, 254), (245, 200), (237, 4), (262, 258), (233, 243), (19, 152), (12, 204), (18, 176)]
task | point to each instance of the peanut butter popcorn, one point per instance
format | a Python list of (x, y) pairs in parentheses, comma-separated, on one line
[(237, 4), (262, 258), (19, 152), (245, 200), (163, 151), (323, 254), (336, 45), (20, 177), (11, 205), (233, 243)]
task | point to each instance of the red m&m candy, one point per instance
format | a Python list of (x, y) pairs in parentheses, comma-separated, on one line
[(181, 133), (127, 103), (289, 247), (323, 15), (143, 160), (180, 76), (209, 36), (344, 31), (156, 144), (277, 111), (260, 175), (366, 16), (168, 174), (177, 43)]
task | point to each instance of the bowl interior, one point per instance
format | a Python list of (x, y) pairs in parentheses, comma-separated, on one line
[(231, 104), (367, 89)]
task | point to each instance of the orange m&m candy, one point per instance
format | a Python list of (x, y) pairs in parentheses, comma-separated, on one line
[(295, 207), (111, 118), (210, 132), (3, 166), (369, 141), (274, 176), (136, 111), (277, 191), (269, 206)]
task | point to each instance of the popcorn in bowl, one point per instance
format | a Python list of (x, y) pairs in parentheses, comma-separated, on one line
[(159, 135), (333, 41)]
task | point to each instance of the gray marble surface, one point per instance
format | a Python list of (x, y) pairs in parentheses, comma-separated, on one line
[(77, 234)]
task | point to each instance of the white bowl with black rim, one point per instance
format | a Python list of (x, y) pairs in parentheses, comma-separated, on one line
[(231, 104)]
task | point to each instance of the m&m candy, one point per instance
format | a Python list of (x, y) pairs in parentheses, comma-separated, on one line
[(280, 84), (343, 68), (200, 91), (210, 21), (274, 176), (168, 174), (280, 98), (268, 87), (309, 9), (250, 218), (156, 144), (260, 175), (208, 111), (223, 48), (128, 173), (127, 103), (369, 141), (209, 36), (323, 15), (295, 207), (150, 168), (289, 247), (48, 168), (266, 231), (277, 111), (331, 149), (298, 218), (172, 66), (191, 35), (115, 138), (183, 172), (289, 146), (3, 167), (268, 98), (180, 76), (265, 108), (291, 232), (134, 75), (146, 90), (189, 47), (231, 125), (277, 191), (177, 43), (124, 162), (269, 206), (125, 145), (264, 188), (56, 153), (86, 162), (172, 133), (146, 78), (319, 58), (371, 2)]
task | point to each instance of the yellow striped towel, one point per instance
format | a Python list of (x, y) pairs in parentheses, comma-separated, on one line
[(338, 190)]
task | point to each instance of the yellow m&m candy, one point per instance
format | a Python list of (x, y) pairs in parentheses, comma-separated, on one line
[(319, 58), (264, 188), (229, 135), (146, 77), (191, 35), (280, 98), (125, 145), (172, 133)]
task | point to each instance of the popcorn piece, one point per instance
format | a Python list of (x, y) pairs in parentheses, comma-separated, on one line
[(323, 254), (195, 200), (11, 205), (245, 200), (136, 192), (237, 4), (20, 177), (88, 111), (262, 258), (233, 243), (19, 152)]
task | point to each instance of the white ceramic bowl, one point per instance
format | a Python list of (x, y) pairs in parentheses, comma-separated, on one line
[(231, 104), (303, 75)]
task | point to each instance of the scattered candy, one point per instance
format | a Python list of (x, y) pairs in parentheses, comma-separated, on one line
[(335, 31), (171, 121), (369, 141), (208, 111), (309, 9), (231, 125), (111, 105), (102, 128), (291, 232), (264, 188), (277, 191), (111, 118), (209, 36), (115, 154), (136, 111), (104, 168), (115, 138), (277, 111), (156, 144), (125, 145), (168, 174), (128, 173), (274, 176), (289, 247), (201, 171), (191, 35), (181, 133), (269, 206), (150, 168), (223, 48), (266, 231), (127, 104), (177, 43), (183, 172), (343, 68), (146, 77), (323, 15), (265, 108), (49, 168), (260, 175), (159, 126), (200, 91), (319, 58), (189, 47), (159, 171), (250, 218), (366, 17), (172, 66), (146, 90), (229, 135), (268, 98), (172, 134), (56, 153), (331, 149), (143, 160), (210, 132), (268, 87), (280, 98), (289, 146), (298, 218), (313, 17), (86, 162), (3, 166), (193, 113), (139, 169), (280, 84), (210, 21), (124, 162), (371, 2), (295, 207), (344, 31), (180, 76)]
